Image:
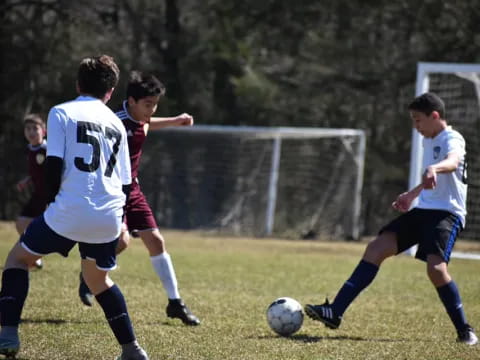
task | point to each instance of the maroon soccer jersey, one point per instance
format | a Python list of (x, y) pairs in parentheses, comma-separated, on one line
[(136, 137), (139, 215), (36, 161)]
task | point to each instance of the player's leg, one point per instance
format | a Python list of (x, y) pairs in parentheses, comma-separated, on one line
[(123, 240), (97, 260), (140, 219), (37, 240), (437, 248), (394, 238), (15, 284), (163, 266), (21, 224), (384, 246), (84, 292), (450, 296), (34, 208)]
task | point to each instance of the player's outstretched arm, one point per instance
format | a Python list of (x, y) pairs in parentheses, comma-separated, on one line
[(404, 200), (163, 122)]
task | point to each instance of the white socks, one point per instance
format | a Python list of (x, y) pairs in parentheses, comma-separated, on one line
[(164, 268)]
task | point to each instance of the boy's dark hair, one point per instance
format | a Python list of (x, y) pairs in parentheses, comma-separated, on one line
[(97, 75), (427, 103), (33, 119), (141, 85)]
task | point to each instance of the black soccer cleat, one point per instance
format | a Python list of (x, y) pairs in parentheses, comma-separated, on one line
[(139, 354), (324, 313), (177, 309), (84, 292), (467, 336)]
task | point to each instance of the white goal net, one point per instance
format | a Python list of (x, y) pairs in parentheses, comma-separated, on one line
[(459, 86), (258, 181)]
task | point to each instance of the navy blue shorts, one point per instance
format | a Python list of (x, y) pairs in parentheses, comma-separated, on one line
[(40, 239), (435, 232)]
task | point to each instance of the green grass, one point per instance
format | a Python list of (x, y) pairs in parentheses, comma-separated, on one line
[(228, 283)]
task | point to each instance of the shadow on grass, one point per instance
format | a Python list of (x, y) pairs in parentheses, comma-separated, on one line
[(45, 321), (314, 339)]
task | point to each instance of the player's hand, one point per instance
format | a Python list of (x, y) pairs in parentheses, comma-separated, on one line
[(403, 202), (429, 178), (23, 184), (184, 120)]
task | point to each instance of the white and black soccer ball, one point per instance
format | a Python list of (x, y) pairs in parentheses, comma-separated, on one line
[(285, 316)]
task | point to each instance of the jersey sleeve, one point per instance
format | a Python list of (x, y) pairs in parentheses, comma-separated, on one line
[(456, 144), (56, 130)]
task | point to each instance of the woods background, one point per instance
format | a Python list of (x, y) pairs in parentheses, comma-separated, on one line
[(303, 63)]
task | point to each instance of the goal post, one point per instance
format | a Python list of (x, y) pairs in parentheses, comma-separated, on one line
[(260, 181), (459, 86)]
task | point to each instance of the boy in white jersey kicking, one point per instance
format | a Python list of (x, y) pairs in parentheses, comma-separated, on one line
[(144, 91), (434, 223), (87, 182)]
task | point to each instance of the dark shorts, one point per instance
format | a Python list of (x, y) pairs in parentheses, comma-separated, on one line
[(139, 216), (40, 239), (34, 207), (435, 232)]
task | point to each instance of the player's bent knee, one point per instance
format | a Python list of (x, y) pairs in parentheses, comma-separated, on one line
[(438, 273), (154, 242), (20, 258), (97, 280)]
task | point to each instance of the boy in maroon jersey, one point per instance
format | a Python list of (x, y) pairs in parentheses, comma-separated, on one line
[(34, 131), (143, 93)]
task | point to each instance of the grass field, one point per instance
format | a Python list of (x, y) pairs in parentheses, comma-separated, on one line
[(228, 283)]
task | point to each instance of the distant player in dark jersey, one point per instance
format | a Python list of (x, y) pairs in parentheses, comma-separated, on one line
[(88, 178), (143, 93), (34, 131)]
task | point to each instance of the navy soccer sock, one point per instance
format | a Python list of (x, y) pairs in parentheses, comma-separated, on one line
[(14, 291), (361, 277), (453, 304), (115, 309)]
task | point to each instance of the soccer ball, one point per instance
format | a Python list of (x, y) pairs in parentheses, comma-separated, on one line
[(285, 316)]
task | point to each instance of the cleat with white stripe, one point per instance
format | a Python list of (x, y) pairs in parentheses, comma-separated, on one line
[(324, 313)]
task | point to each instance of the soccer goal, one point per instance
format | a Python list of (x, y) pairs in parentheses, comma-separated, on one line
[(459, 86), (258, 181)]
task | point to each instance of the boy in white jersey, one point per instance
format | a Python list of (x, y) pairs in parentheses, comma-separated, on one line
[(87, 182), (433, 224)]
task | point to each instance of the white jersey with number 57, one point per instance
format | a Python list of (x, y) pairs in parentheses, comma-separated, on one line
[(92, 142)]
